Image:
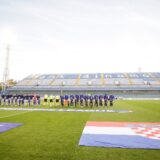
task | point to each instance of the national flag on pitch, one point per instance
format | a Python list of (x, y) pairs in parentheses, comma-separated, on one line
[(121, 135)]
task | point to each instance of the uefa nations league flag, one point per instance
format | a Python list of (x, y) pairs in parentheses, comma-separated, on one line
[(121, 135), (7, 126)]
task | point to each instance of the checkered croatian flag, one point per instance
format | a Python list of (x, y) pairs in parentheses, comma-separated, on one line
[(121, 134)]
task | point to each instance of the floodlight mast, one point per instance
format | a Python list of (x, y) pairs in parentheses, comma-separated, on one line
[(6, 69)]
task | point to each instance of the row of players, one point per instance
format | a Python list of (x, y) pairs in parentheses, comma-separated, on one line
[(82, 100), (66, 100), (20, 100)]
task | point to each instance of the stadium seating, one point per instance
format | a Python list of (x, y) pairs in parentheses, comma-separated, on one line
[(98, 82), (113, 79)]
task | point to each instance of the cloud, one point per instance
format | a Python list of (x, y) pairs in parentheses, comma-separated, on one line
[(81, 36)]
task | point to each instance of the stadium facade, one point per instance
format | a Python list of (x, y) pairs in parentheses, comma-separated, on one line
[(140, 85)]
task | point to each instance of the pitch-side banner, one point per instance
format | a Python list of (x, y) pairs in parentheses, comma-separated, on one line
[(121, 135)]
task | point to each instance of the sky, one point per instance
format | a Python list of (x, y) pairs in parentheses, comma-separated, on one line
[(79, 36)]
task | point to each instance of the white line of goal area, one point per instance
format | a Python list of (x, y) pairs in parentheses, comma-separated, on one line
[(65, 110)]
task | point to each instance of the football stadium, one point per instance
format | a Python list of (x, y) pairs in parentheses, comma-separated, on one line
[(87, 116), (81, 80)]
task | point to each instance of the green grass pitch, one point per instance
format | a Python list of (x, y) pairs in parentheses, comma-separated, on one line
[(55, 135)]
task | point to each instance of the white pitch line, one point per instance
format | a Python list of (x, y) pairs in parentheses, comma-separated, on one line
[(15, 114), (65, 110)]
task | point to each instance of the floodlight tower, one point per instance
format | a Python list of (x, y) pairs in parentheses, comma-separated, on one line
[(6, 69), (8, 38)]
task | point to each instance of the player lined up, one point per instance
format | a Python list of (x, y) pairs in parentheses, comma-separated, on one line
[(20, 100), (64, 101), (79, 100)]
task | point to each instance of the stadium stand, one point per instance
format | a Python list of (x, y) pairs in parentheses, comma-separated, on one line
[(144, 84)]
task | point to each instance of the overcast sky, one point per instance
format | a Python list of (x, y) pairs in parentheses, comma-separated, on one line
[(76, 36)]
